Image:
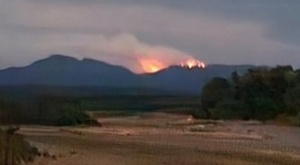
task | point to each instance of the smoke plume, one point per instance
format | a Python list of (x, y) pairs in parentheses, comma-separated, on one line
[(127, 50)]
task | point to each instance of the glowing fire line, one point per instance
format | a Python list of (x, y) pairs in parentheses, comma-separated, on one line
[(153, 65), (193, 63)]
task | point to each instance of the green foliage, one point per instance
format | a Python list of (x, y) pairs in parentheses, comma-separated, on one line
[(292, 100), (297, 76), (265, 108), (49, 111), (235, 78), (213, 92), (71, 115), (229, 109), (261, 94)]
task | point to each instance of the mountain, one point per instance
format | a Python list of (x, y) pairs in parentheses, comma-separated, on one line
[(191, 80), (63, 72), (59, 70)]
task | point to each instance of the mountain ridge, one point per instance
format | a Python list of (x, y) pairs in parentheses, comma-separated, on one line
[(61, 70)]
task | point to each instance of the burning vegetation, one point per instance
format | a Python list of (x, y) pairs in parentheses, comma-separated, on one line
[(152, 65), (192, 63)]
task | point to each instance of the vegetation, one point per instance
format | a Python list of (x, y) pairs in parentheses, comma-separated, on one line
[(45, 111), (60, 110), (9, 112), (261, 93), (14, 150)]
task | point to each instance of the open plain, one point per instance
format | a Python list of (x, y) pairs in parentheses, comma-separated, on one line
[(161, 138)]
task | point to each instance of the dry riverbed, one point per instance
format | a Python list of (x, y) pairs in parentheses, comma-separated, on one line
[(159, 138)]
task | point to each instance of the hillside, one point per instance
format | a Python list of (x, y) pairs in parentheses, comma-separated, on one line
[(60, 72)]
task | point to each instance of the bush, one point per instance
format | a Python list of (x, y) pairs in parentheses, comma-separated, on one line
[(285, 119), (71, 115), (297, 119), (265, 108), (199, 114), (229, 109), (18, 150), (213, 93)]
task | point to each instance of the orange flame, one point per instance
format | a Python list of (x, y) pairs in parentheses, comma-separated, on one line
[(193, 63), (151, 65)]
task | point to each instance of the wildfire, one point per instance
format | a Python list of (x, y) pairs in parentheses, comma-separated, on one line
[(192, 63), (154, 65), (151, 65)]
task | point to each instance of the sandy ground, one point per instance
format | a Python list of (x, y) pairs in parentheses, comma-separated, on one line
[(159, 138)]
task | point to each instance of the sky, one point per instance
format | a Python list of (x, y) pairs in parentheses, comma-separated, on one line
[(134, 33)]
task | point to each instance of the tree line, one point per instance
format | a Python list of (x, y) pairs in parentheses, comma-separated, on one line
[(45, 110), (260, 94)]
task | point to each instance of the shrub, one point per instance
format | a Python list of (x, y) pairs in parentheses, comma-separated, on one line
[(265, 108), (71, 115), (229, 109), (17, 149)]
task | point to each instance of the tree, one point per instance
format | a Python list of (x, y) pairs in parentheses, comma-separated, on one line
[(71, 114), (235, 78), (265, 108), (281, 78), (297, 76), (262, 93), (292, 100), (213, 92), (229, 109)]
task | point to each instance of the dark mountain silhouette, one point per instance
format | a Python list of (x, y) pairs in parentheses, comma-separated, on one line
[(191, 80), (63, 72)]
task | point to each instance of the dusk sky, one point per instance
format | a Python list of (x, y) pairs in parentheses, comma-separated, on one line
[(164, 32)]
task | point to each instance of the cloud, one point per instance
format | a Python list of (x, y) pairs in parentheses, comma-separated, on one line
[(279, 17)]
